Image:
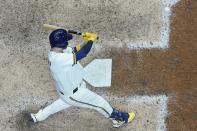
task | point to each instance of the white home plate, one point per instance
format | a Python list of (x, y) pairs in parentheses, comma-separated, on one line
[(98, 72)]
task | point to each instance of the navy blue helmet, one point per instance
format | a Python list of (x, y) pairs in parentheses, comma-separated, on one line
[(59, 38)]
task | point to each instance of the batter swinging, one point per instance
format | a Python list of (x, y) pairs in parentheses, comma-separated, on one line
[(69, 83)]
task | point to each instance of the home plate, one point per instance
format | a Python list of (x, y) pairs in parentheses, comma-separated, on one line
[(98, 72)]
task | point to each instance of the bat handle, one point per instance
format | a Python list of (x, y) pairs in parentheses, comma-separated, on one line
[(77, 33), (74, 32)]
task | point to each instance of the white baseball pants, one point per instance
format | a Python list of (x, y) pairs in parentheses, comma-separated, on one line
[(83, 97)]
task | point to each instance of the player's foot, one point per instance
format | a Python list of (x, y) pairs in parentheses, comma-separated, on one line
[(33, 118), (117, 123)]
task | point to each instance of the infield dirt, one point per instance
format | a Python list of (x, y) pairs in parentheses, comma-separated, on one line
[(25, 82)]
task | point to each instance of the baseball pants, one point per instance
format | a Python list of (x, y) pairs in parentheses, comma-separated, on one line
[(83, 97)]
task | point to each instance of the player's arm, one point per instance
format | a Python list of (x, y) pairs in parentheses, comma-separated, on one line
[(78, 47), (81, 50)]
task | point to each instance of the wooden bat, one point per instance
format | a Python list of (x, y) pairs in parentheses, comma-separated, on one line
[(53, 27)]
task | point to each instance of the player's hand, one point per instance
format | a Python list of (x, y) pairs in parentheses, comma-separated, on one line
[(89, 36)]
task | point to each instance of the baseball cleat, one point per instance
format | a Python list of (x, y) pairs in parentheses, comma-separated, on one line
[(33, 118), (117, 123)]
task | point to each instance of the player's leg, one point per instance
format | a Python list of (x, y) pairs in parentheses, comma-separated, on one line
[(83, 97), (42, 114), (93, 101), (86, 98)]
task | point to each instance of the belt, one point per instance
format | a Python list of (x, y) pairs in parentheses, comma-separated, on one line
[(75, 90)]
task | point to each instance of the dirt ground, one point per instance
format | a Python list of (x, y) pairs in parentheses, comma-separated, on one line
[(25, 82), (172, 71)]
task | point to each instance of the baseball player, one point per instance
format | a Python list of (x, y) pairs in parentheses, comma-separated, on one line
[(69, 83)]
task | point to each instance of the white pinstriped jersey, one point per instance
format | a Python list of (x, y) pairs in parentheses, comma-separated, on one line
[(64, 70)]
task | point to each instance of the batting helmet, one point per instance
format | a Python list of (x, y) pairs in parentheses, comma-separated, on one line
[(59, 38)]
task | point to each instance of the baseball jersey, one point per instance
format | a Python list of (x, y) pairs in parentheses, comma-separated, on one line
[(65, 71)]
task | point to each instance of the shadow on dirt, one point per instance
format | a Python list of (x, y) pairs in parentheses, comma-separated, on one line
[(23, 122)]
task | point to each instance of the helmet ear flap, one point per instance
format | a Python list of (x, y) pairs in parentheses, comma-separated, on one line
[(69, 37)]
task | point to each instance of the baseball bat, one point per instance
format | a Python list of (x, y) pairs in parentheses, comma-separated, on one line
[(53, 27)]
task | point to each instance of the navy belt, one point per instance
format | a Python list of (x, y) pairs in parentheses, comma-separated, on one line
[(75, 90)]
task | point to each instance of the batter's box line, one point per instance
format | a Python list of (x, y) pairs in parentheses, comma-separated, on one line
[(149, 101), (165, 30)]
